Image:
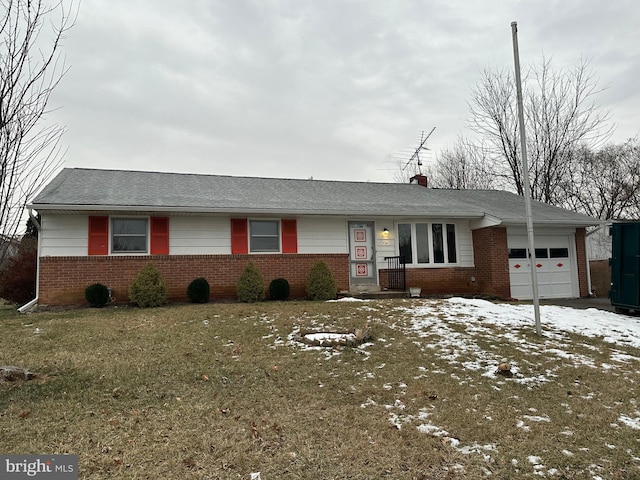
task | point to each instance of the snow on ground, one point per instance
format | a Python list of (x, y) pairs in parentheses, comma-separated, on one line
[(454, 327), (591, 322)]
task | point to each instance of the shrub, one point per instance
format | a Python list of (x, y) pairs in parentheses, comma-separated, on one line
[(97, 295), (198, 291), (18, 279), (320, 284), (148, 288), (279, 289), (250, 285)]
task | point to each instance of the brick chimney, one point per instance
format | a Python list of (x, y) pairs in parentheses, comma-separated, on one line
[(419, 178)]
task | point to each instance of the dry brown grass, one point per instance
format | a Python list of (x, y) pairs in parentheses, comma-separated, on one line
[(219, 391)]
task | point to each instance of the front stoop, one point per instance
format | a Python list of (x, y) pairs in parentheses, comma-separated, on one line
[(373, 294)]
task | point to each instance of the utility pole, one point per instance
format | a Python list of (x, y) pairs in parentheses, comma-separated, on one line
[(527, 185)]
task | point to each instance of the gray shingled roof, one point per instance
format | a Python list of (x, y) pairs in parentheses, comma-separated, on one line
[(80, 189)]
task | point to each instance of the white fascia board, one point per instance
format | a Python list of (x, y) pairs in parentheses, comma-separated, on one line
[(486, 221), (78, 209)]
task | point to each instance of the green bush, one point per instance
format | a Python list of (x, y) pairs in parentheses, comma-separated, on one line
[(320, 284), (279, 289), (97, 295), (198, 291), (148, 288), (250, 285)]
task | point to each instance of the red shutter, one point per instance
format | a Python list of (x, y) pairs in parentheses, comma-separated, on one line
[(289, 236), (239, 236), (159, 236), (98, 236)]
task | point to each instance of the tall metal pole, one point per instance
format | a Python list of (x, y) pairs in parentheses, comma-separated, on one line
[(527, 185)]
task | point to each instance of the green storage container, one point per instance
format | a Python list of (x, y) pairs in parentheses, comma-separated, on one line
[(625, 266)]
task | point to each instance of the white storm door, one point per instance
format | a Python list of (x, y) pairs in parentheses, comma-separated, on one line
[(362, 259)]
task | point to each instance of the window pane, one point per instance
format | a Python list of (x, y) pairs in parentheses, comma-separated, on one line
[(264, 236), (517, 253), (265, 244), (129, 226), (422, 242), (438, 247), (559, 252), (404, 242), (129, 244), (129, 235), (451, 243), (541, 253), (260, 227)]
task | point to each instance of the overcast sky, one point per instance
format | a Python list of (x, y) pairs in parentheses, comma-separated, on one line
[(330, 89)]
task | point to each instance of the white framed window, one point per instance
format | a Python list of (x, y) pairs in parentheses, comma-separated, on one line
[(422, 243), (129, 235), (264, 236)]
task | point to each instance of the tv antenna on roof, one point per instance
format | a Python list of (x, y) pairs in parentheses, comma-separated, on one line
[(419, 148)]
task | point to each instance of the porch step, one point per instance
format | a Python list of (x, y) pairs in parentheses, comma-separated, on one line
[(374, 294)]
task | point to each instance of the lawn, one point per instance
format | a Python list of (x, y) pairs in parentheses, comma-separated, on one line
[(227, 390)]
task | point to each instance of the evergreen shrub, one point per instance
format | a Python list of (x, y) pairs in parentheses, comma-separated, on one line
[(97, 295), (279, 289), (320, 283), (148, 288), (198, 291), (250, 285)]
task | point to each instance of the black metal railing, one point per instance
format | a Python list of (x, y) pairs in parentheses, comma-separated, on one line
[(397, 273)]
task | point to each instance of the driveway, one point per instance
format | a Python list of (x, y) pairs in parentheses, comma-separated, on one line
[(601, 303)]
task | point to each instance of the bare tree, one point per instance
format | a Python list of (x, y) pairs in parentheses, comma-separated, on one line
[(31, 66), (464, 166), (606, 183), (561, 117)]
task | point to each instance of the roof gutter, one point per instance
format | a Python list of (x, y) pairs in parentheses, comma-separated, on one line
[(34, 303), (138, 209)]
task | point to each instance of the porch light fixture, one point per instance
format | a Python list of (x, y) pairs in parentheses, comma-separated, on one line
[(385, 232)]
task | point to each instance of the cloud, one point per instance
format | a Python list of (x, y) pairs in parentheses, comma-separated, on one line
[(304, 88)]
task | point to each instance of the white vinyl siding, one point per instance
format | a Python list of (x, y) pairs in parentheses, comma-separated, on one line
[(200, 236), (64, 235), (67, 235), (322, 235)]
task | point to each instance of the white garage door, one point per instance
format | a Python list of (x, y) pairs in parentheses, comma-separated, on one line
[(555, 266)]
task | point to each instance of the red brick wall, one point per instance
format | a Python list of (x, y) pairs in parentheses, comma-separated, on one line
[(439, 281), (491, 258), (63, 279), (490, 276)]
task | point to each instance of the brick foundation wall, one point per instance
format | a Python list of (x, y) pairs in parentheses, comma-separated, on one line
[(490, 276), (63, 279), (439, 281), (491, 258)]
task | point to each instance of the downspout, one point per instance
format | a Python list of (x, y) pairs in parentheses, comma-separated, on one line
[(586, 256), (33, 303), (586, 250)]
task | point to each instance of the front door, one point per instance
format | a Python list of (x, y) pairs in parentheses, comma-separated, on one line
[(362, 255)]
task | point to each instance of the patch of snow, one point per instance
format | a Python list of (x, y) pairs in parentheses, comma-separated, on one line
[(536, 418), (630, 422), (347, 299), (327, 337)]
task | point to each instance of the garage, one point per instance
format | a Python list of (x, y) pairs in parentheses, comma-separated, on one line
[(555, 265)]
